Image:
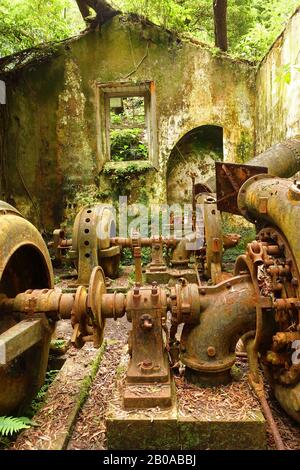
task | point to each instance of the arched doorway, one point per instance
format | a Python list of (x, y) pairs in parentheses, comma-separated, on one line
[(196, 152)]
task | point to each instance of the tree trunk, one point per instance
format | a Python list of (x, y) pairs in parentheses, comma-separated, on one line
[(220, 20), (83, 7), (103, 10)]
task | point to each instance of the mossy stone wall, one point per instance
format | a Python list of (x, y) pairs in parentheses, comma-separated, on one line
[(52, 159)]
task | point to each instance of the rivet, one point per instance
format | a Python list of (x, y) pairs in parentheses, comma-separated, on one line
[(211, 351)]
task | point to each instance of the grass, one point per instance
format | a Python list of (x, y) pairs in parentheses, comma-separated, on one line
[(235, 224)]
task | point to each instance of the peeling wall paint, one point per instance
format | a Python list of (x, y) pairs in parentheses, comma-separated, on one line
[(53, 114), (278, 102)]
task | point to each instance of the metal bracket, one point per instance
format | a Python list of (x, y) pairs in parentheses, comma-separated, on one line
[(230, 177)]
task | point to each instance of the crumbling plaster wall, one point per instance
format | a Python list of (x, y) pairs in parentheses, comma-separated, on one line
[(278, 93), (52, 129)]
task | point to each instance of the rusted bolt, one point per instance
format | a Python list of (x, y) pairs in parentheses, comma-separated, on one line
[(228, 285), (136, 290), (147, 364), (211, 351), (202, 291), (154, 288), (146, 322)]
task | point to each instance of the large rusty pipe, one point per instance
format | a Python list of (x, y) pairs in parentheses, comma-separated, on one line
[(227, 312), (281, 159), (275, 201)]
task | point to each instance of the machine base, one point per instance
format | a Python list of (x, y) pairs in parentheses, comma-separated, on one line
[(141, 396), (169, 429)]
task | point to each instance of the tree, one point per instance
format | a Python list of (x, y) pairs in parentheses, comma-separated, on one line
[(27, 23), (103, 10), (252, 25), (220, 23)]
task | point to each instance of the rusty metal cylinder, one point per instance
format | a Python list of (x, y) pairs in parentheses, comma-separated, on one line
[(48, 301), (282, 159), (113, 305)]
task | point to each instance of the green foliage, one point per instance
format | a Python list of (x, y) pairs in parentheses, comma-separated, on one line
[(10, 425), (253, 25), (244, 149), (127, 258), (235, 224), (126, 145), (269, 19), (58, 344), (284, 73), (146, 255), (121, 177), (27, 23)]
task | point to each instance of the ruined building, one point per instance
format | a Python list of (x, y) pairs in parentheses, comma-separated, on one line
[(195, 106)]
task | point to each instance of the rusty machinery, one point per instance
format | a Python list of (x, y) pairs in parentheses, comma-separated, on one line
[(87, 249), (29, 307), (90, 244), (260, 303)]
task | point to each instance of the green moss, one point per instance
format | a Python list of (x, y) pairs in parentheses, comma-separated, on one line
[(40, 398), (128, 179), (244, 149), (87, 382)]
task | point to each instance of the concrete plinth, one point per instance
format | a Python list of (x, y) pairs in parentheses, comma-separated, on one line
[(223, 434), (174, 430), (137, 430)]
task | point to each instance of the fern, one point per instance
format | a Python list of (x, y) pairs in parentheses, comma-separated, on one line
[(10, 425)]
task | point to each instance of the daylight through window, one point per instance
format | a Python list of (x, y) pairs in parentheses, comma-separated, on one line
[(128, 133)]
